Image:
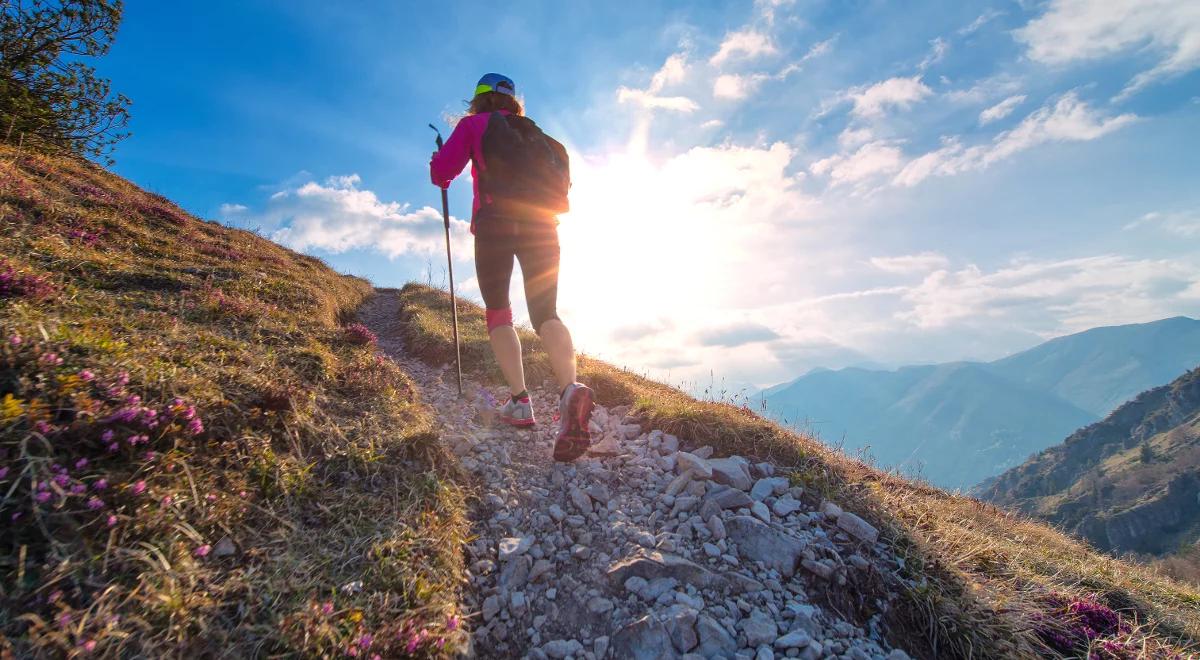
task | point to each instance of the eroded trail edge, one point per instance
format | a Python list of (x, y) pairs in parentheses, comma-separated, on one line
[(643, 551)]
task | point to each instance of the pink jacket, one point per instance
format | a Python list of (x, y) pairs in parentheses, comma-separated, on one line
[(465, 143)]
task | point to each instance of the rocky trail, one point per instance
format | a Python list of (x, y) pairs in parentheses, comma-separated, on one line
[(644, 550)]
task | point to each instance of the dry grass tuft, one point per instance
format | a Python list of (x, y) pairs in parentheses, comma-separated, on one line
[(196, 457), (975, 581)]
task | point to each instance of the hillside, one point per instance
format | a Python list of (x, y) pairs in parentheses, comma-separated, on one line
[(207, 453), (192, 446), (957, 424), (972, 580), (1130, 483)]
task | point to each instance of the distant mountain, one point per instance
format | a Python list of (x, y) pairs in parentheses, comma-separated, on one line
[(959, 423), (1102, 368), (1130, 483)]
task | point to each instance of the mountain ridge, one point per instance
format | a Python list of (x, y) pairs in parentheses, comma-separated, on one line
[(1129, 483), (1009, 408)]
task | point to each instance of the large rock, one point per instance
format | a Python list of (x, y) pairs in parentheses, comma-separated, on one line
[(732, 471), (514, 546), (768, 486), (699, 467), (858, 528), (653, 565), (759, 629), (715, 641), (768, 544), (729, 498), (644, 639), (681, 627)]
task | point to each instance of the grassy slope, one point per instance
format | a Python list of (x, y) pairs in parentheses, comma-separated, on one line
[(977, 582), (166, 383)]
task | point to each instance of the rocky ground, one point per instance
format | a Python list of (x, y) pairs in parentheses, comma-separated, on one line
[(641, 550)]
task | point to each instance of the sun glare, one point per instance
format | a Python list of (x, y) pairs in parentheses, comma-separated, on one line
[(629, 245)]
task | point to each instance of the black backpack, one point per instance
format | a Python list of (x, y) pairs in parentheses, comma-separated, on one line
[(526, 172)]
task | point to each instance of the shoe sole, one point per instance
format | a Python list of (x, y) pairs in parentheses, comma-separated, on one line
[(575, 438), (519, 423)]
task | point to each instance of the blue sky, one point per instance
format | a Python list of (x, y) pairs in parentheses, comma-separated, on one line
[(760, 188)]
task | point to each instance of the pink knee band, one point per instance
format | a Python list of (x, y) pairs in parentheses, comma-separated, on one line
[(498, 317)]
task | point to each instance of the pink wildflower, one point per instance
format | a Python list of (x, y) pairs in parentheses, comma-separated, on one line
[(78, 489), (89, 645), (107, 436), (86, 375), (112, 520), (54, 596), (50, 359), (150, 456), (81, 463), (42, 427), (62, 480), (195, 427), (100, 484), (166, 501), (3, 472), (139, 488), (365, 640), (15, 517), (113, 448), (95, 503), (15, 340), (43, 496), (203, 550), (210, 497), (327, 608), (64, 619)]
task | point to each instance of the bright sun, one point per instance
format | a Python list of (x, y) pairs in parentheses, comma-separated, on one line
[(630, 256)]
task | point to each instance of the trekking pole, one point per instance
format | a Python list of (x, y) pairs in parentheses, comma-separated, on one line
[(450, 269)]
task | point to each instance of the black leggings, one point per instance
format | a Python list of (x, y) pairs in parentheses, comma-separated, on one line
[(538, 254)]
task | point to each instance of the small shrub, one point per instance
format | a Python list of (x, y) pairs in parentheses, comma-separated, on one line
[(15, 284), (360, 335)]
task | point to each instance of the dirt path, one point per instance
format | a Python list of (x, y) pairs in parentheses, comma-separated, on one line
[(649, 552)]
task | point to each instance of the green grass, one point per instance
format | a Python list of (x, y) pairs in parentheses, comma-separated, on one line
[(273, 430), (977, 582)]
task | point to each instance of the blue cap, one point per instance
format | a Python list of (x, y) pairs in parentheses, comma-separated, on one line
[(495, 82)]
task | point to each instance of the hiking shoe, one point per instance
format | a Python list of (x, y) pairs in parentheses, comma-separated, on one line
[(575, 414), (518, 413)]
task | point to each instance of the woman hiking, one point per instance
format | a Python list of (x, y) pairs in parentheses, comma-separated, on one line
[(520, 183)]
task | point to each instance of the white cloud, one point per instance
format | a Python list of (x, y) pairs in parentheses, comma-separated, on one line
[(712, 123), (911, 263), (1000, 110), (1078, 30), (743, 44), (1072, 294), (231, 210), (672, 72), (871, 101), (852, 136), (871, 159), (938, 48), (338, 216), (734, 86), (1185, 224), (986, 89), (652, 102), (1068, 119), (984, 18)]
